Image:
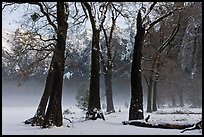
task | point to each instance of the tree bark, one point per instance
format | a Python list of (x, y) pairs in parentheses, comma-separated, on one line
[(154, 102), (40, 113), (54, 111), (108, 66), (109, 95), (94, 96), (54, 81), (136, 104), (149, 95), (156, 77), (180, 94), (94, 106), (173, 99)]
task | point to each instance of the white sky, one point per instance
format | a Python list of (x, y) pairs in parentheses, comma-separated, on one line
[(9, 19)]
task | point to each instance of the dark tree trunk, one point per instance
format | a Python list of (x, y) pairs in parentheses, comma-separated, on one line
[(94, 106), (173, 100), (54, 81), (156, 77), (154, 102), (180, 93), (108, 67), (94, 96), (136, 104), (54, 111), (149, 94), (40, 113), (108, 86)]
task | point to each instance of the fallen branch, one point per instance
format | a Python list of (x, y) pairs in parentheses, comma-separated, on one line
[(151, 125), (68, 119), (195, 126)]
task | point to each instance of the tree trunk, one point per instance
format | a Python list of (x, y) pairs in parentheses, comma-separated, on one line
[(94, 96), (54, 81), (136, 104), (54, 111), (108, 65), (149, 95), (154, 102), (180, 93), (108, 86), (40, 113), (150, 86), (173, 100), (156, 77), (163, 125), (94, 106)]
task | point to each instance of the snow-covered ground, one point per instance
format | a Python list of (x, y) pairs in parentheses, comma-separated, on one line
[(12, 118), (17, 106)]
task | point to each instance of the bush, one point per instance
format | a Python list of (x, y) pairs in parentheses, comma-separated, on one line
[(82, 96)]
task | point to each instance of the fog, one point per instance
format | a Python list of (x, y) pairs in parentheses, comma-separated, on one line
[(30, 92), (20, 103)]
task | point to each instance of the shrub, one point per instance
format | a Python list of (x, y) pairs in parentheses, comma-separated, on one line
[(82, 96)]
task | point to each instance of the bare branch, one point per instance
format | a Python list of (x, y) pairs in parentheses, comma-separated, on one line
[(24, 72), (42, 48), (119, 11), (103, 15), (160, 19), (92, 17), (45, 40), (123, 67), (43, 12), (166, 43), (146, 79), (148, 12), (7, 4)]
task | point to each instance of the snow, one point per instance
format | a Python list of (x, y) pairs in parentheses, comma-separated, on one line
[(12, 118), (139, 110), (68, 75), (19, 105)]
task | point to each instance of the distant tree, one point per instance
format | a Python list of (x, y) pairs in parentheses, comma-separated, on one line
[(143, 28), (30, 54), (190, 55), (176, 83), (108, 57)]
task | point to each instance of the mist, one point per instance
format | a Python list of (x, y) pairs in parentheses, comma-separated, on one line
[(30, 92)]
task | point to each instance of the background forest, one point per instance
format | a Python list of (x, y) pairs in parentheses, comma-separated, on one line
[(171, 73)]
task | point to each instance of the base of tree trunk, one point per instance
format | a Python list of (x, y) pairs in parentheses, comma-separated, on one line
[(34, 121), (109, 112), (94, 115), (150, 125)]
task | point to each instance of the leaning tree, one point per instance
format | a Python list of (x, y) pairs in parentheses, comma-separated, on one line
[(55, 15)]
